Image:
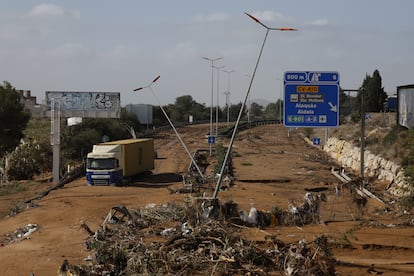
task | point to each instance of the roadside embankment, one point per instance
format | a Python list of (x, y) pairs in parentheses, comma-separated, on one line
[(349, 156)]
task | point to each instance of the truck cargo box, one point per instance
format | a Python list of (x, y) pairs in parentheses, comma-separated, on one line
[(118, 162), (137, 155)]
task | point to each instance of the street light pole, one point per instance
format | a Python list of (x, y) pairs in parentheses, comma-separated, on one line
[(217, 99), (244, 102), (227, 93), (172, 125), (212, 60)]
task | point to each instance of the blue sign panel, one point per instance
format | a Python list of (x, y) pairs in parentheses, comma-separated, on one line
[(211, 139), (311, 99)]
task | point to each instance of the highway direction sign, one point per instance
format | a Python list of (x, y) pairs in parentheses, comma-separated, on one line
[(311, 99)]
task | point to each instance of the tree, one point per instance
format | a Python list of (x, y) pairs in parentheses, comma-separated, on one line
[(13, 118), (234, 111), (256, 111), (158, 117), (180, 111), (79, 139), (182, 108), (374, 94), (274, 111), (185, 106), (130, 119)]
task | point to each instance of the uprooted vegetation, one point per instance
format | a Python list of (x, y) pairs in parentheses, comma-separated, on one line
[(202, 238)]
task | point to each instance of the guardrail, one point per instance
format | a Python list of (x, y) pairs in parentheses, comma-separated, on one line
[(227, 132), (252, 124)]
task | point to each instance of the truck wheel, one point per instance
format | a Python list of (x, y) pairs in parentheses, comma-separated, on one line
[(125, 181)]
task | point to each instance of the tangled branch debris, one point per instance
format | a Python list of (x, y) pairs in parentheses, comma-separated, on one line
[(198, 239)]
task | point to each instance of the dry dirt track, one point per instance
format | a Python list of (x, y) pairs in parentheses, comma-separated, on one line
[(270, 169)]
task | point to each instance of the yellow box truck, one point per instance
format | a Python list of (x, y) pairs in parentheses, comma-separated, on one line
[(117, 162)]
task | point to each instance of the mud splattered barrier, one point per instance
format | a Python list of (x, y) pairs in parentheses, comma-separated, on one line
[(196, 239)]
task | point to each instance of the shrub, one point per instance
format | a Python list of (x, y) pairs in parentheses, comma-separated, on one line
[(28, 159)]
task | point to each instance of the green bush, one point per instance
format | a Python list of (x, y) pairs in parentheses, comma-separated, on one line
[(355, 117), (30, 158)]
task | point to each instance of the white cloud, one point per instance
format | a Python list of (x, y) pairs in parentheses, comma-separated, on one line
[(71, 51), (47, 10), (121, 52), (271, 16), (52, 10), (211, 17), (319, 22), (181, 51), (75, 15), (18, 31)]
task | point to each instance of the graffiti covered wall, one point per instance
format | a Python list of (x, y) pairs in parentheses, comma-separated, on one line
[(86, 104)]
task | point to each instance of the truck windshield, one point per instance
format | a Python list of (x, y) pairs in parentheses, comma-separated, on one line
[(101, 164)]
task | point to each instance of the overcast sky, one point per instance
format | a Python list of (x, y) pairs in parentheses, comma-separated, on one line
[(116, 46)]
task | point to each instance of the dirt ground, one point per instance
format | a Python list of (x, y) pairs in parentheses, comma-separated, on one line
[(271, 169)]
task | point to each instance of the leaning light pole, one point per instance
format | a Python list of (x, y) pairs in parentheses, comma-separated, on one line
[(172, 125), (212, 60), (220, 178), (249, 104)]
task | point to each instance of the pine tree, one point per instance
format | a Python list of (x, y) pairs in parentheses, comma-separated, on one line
[(374, 94), (13, 118)]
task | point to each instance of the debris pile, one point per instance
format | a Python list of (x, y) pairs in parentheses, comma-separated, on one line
[(198, 239), (307, 212), (21, 233)]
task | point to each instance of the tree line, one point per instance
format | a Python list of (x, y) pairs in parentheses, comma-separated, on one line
[(185, 106)]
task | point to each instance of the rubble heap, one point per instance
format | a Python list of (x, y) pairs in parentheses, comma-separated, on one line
[(200, 239)]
